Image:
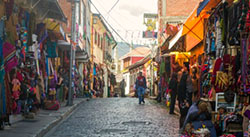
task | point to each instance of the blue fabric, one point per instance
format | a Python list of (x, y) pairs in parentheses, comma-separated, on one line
[(2, 73), (140, 92), (51, 49), (202, 5), (198, 124), (213, 43), (208, 124), (47, 66), (192, 109), (94, 71)]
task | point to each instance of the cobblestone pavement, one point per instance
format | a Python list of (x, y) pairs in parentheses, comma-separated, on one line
[(118, 117)]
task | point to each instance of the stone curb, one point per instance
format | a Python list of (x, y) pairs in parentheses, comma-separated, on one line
[(63, 116)]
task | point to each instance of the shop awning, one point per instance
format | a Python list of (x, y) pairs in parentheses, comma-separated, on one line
[(82, 56), (64, 45), (46, 9), (56, 28), (202, 5), (175, 38), (193, 28)]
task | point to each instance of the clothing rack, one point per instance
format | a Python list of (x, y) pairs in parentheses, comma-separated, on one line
[(228, 48)]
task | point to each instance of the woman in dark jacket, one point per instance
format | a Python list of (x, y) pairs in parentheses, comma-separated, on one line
[(185, 90), (173, 87)]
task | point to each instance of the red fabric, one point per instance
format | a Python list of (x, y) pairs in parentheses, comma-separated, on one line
[(9, 53), (19, 76), (140, 81), (216, 68), (52, 105), (226, 61)]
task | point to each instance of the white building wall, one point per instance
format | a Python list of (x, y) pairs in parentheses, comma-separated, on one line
[(126, 77)]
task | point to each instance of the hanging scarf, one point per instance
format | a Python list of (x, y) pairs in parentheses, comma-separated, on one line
[(10, 59)]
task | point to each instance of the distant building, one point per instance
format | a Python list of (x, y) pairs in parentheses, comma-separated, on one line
[(129, 59), (101, 51)]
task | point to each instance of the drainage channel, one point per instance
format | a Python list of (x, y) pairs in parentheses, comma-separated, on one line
[(136, 123)]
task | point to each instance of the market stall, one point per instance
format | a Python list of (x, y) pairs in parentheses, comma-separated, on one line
[(28, 58), (224, 66)]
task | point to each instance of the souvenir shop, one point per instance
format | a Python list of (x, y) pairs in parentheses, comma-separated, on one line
[(82, 81), (224, 67), (28, 63), (98, 81), (169, 63)]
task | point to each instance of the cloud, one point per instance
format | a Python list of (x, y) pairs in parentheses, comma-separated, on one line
[(133, 10)]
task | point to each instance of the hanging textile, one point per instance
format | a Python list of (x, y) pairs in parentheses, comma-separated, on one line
[(10, 59), (94, 70), (51, 49), (2, 89), (162, 68), (244, 66)]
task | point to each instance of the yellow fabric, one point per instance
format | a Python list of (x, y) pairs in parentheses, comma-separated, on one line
[(193, 28), (16, 88), (52, 25), (52, 92)]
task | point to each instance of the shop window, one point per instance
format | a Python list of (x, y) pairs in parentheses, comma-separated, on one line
[(94, 21)]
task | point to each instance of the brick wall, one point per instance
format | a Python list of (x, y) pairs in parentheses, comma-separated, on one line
[(181, 7), (176, 12), (66, 7)]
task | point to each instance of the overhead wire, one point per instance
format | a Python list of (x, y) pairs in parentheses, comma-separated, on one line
[(125, 30), (113, 6), (114, 29), (121, 47)]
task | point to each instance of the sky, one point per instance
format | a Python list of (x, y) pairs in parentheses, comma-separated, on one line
[(126, 17)]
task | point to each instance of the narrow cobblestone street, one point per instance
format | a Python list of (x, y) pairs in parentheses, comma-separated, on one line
[(118, 117)]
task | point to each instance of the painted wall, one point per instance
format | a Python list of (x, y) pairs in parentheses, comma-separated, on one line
[(136, 59), (126, 62), (126, 77)]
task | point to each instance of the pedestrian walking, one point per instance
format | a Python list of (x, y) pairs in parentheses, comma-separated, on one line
[(162, 88), (122, 87), (140, 87), (184, 93), (173, 87)]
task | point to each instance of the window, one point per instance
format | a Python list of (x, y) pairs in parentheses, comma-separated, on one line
[(95, 37), (94, 21), (101, 42)]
